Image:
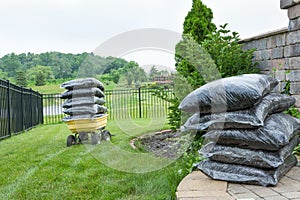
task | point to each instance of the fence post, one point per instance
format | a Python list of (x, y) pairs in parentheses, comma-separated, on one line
[(42, 108), (140, 103), (22, 110), (8, 109), (31, 108)]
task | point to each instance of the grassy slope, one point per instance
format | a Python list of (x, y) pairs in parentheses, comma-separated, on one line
[(48, 89), (55, 88), (37, 165)]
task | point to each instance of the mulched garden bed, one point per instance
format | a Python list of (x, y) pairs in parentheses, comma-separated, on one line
[(165, 143)]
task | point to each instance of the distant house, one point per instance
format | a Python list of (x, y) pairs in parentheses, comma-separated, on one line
[(163, 80)]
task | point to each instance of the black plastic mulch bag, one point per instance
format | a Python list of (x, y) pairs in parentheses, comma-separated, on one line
[(83, 116), (254, 158), (82, 92), (86, 109), (246, 174), (82, 83), (228, 94), (278, 130), (245, 119), (77, 101)]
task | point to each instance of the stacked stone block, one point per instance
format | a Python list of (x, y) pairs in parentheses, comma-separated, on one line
[(292, 50), (269, 54), (278, 52)]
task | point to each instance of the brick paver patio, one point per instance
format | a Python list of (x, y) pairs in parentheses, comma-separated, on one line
[(199, 186)]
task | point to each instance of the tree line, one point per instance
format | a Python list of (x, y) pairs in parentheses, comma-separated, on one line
[(39, 69)]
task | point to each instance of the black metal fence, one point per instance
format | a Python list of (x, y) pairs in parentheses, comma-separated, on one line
[(20, 109), (121, 104), (52, 108), (137, 103)]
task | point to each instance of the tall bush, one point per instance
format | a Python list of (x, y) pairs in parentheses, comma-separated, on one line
[(206, 53)]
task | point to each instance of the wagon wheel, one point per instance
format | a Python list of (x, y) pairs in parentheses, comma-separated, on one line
[(71, 140), (83, 136), (106, 135), (95, 138)]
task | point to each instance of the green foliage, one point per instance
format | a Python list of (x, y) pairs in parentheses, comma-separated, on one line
[(44, 72), (3, 75), (293, 112), (191, 59), (202, 58), (194, 63), (139, 75), (115, 76), (287, 88), (21, 79), (63, 66), (40, 79), (129, 78), (197, 25), (218, 56), (51, 66), (198, 21), (153, 72), (203, 55), (224, 48), (180, 90), (297, 150), (114, 64), (128, 71), (174, 115), (131, 72), (10, 64), (208, 54), (91, 66), (191, 156)]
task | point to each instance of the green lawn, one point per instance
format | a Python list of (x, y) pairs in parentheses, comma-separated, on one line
[(48, 89), (54, 88), (38, 165)]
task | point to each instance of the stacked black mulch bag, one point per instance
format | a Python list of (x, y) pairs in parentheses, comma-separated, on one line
[(85, 99), (249, 139)]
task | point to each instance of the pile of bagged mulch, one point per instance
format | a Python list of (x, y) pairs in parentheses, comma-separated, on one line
[(85, 99), (248, 137)]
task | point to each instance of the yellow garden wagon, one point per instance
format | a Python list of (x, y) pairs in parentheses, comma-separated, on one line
[(83, 129)]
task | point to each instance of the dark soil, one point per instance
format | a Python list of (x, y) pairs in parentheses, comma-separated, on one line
[(165, 144)]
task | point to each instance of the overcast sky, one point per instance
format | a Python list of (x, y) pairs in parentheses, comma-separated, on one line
[(75, 26)]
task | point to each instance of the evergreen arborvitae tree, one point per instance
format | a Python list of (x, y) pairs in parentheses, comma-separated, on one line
[(198, 22), (197, 25), (196, 28)]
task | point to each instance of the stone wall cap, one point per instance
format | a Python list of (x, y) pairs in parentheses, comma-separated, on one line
[(285, 4), (265, 35)]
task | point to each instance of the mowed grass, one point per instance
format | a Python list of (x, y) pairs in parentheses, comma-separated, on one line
[(38, 165), (54, 88), (48, 89)]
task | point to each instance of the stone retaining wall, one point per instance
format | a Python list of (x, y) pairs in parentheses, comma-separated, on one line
[(278, 52)]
